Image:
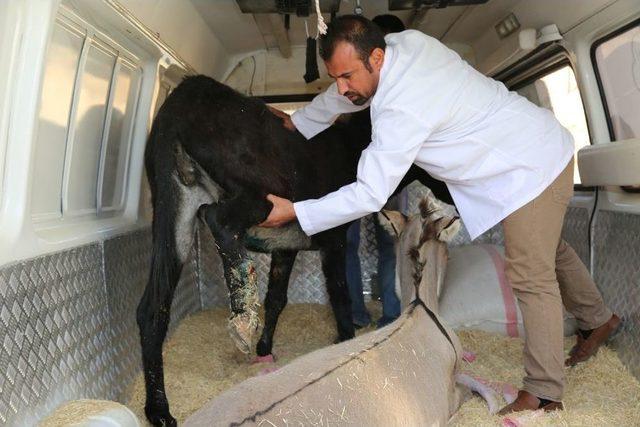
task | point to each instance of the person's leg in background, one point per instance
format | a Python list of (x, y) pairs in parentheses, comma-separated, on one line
[(359, 313), (387, 276)]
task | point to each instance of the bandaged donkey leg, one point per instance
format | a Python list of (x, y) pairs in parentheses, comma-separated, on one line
[(243, 297), (240, 275)]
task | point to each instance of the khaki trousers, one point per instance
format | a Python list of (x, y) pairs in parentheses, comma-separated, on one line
[(545, 272)]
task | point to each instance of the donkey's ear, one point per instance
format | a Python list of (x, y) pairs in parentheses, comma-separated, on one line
[(393, 222), (449, 230)]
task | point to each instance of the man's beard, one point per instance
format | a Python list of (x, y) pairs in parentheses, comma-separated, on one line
[(358, 100)]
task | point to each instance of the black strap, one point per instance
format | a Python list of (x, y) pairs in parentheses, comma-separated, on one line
[(312, 72), (439, 324)]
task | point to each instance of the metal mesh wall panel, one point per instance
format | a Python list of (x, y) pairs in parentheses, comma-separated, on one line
[(617, 274), (55, 334), (127, 261), (68, 324), (576, 232)]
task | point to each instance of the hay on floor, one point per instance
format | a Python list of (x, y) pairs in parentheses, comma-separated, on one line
[(201, 361), (599, 392)]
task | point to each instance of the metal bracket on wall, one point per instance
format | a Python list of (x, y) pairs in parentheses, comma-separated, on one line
[(299, 7), (434, 4)]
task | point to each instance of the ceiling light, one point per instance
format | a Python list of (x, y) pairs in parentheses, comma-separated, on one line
[(507, 26)]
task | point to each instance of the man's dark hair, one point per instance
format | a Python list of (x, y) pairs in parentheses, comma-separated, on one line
[(356, 30), (389, 24)]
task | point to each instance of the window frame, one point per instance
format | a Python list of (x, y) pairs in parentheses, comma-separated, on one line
[(92, 40), (73, 28), (603, 98), (123, 58), (543, 67), (121, 61)]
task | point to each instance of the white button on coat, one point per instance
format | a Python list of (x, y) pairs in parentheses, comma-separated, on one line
[(495, 150)]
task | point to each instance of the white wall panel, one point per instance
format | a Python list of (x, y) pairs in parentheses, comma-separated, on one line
[(181, 26), (10, 42), (268, 73), (477, 28)]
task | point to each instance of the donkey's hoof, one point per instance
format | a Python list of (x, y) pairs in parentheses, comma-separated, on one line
[(344, 337), (160, 418), (242, 329)]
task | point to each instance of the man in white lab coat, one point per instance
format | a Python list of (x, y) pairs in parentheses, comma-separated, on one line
[(503, 159)]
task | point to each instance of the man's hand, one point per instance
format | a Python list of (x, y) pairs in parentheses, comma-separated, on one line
[(281, 213), (286, 119)]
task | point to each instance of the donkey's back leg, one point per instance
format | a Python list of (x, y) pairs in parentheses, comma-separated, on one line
[(173, 232)]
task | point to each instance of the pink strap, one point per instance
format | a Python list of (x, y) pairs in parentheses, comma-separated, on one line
[(515, 420), (511, 313), (469, 356), (269, 358)]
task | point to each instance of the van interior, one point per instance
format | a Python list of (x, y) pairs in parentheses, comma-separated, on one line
[(80, 84)]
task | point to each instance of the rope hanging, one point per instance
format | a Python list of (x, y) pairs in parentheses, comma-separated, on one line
[(322, 27)]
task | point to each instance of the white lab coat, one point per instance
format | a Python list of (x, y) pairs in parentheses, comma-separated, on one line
[(495, 150)]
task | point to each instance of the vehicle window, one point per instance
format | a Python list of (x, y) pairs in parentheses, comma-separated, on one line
[(558, 91), (618, 67)]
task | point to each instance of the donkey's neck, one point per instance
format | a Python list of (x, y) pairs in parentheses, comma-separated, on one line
[(433, 258)]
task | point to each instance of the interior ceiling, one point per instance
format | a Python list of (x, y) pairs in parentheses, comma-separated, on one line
[(240, 33), (244, 32), (298, 7)]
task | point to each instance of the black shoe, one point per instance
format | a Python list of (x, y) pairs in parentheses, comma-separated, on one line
[(384, 321), (361, 325), (528, 402)]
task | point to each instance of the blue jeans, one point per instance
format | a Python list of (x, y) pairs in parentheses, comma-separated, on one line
[(386, 276)]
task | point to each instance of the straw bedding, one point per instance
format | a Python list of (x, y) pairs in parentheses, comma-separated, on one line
[(599, 392), (201, 362), (76, 411)]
